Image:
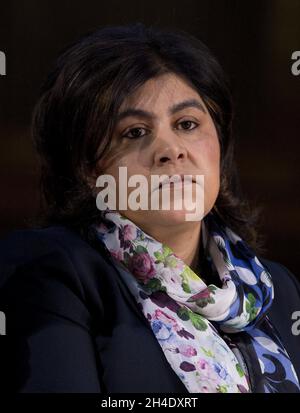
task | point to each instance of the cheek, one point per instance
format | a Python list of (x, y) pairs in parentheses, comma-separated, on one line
[(130, 161), (213, 151), (209, 166), (209, 155)]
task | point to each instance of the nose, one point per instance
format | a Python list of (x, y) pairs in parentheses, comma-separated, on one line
[(169, 153)]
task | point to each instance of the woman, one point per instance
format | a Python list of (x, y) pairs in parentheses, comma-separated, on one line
[(143, 300)]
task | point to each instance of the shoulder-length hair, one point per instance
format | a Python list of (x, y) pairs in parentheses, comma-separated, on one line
[(75, 114)]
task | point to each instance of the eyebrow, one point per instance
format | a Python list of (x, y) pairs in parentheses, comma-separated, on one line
[(140, 113)]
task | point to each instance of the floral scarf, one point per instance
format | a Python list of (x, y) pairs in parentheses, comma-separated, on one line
[(196, 324)]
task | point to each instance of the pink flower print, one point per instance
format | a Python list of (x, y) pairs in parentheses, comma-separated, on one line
[(129, 232), (205, 389), (207, 386), (161, 315), (206, 371), (170, 276), (187, 350), (118, 254), (180, 264), (202, 364), (142, 267), (165, 318)]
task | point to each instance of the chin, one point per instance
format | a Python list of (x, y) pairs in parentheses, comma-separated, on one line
[(169, 218)]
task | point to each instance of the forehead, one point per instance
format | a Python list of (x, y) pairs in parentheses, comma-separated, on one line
[(166, 88)]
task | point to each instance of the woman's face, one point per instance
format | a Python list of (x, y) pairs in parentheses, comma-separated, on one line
[(164, 133)]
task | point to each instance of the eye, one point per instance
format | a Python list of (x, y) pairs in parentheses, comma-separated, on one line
[(187, 125), (135, 133)]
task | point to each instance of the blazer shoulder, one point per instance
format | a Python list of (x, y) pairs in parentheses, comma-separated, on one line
[(26, 244), (52, 312), (29, 246), (52, 268), (284, 310)]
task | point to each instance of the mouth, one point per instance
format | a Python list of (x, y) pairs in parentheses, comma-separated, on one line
[(177, 181)]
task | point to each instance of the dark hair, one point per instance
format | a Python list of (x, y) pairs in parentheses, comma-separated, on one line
[(75, 115)]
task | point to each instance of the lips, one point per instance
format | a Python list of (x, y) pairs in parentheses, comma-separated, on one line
[(174, 180)]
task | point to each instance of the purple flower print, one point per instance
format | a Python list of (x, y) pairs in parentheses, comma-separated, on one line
[(242, 389), (143, 295), (202, 295), (164, 300), (185, 366), (185, 334), (142, 267), (127, 233)]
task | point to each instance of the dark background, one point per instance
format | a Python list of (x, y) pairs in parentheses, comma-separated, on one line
[(253, 41)]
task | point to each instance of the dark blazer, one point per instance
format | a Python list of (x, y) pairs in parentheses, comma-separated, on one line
[(73, 326)]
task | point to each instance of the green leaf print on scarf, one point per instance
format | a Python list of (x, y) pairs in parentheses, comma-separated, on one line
[(183, 313), (204, 297), (157, 268), (240, 370), (187, 275), (141, 250), (222, 389), (209, 353), (197, 320), (250, 307), (154, 285), (166, 257)]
